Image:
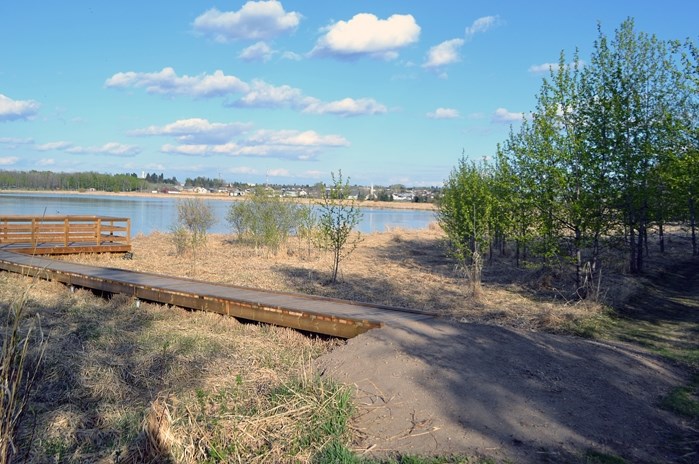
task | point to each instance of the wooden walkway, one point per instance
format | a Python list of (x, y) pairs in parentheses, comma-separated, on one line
[(327, 316)]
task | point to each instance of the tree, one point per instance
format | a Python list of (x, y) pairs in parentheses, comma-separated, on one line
[(337, 217), (194, 218), (265, 219), (465, 213)]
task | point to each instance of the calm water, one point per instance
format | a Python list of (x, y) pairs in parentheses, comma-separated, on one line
[(158, 214)]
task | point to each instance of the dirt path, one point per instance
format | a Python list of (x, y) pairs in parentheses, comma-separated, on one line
[(443, 388)]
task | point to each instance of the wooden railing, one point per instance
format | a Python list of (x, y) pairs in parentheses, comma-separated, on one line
[(66, 233)]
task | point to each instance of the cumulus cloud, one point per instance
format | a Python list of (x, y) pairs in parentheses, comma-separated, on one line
[(366, 34), (167, 82), (443, 113), (196, 130), (347, 107), (46, 162), (263, 95), (8, 160), (443, 54), (16, 140), (243, 170), (259, 51), (61, 145), (110, 148), (503, 116), (543, 68), (254, 21), (293, 144), (279, 172), (11, 110), (482, 25)]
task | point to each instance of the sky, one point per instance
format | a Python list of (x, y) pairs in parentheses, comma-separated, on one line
[(388, 92)]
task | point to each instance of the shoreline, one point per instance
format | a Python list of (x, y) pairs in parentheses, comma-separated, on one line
[(222, 197)]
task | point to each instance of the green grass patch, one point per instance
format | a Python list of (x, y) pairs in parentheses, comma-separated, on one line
[(597, 457), (684, 400)]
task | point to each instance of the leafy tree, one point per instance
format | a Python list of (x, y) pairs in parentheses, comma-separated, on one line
[(337, 217), (465, 213)]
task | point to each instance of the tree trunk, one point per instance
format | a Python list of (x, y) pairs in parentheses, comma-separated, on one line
[(661, 237), (578, 257), (632, 251), (693, 224)]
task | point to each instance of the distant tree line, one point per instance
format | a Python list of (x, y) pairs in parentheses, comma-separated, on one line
[(611, 150), (205, 182), (47, 180)]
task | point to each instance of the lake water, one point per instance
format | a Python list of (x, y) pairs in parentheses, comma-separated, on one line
[(149, 214)]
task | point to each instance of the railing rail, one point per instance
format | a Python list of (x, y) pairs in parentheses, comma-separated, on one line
[(64, 231)]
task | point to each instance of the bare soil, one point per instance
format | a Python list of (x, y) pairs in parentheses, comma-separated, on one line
[(492, 377)]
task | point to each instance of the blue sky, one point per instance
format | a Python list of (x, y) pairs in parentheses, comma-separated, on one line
[(387, 91)]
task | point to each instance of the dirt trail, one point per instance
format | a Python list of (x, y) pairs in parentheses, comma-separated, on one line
[(442, 387)]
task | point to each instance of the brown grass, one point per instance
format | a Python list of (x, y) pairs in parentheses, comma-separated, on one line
[(403, 268), (125, 384)]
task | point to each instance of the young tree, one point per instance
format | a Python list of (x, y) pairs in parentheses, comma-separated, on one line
[(265, 219), (466, 213), (338, 215), (194, 218)]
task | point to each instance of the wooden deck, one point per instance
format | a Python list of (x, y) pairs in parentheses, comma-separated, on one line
[(65, 234), (327, 316)]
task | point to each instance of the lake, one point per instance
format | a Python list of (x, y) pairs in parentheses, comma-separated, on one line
[(149, 214)]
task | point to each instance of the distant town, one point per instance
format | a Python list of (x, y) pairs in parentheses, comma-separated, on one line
[(156, 183)]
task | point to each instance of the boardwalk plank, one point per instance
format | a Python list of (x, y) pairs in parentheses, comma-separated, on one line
[(306, 312)]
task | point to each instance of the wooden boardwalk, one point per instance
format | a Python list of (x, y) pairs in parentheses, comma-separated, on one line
[(327, 316)]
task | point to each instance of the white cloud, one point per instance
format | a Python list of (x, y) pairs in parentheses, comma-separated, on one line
[(110, 148), (8, 160), (46, 162), (503, 116), (443, 54), (296, 138), (11, 110), (167, 82), (270, 143), (196, 131), (291, 56), (243, 170), (347, 107), (62, 145), (482, 25), (15, 140), (365, 34), (259, 51), (254, 21), (543, 68), (279, 172), (315, 174), (264, 95), (444, 113)]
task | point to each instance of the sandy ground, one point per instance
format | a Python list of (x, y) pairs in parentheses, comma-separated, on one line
[(441, 388)]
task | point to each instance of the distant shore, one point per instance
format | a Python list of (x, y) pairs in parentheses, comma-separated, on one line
[(225, 197)]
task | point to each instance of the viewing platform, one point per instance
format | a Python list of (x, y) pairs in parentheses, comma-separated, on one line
[(35, 235)]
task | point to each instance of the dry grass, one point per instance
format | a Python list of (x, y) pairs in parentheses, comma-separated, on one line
[(160, 384), (403, 268)]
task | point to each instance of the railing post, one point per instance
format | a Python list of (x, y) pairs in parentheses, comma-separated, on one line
[(34, 226), (98, 226), (128, 231), (66, 231)]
